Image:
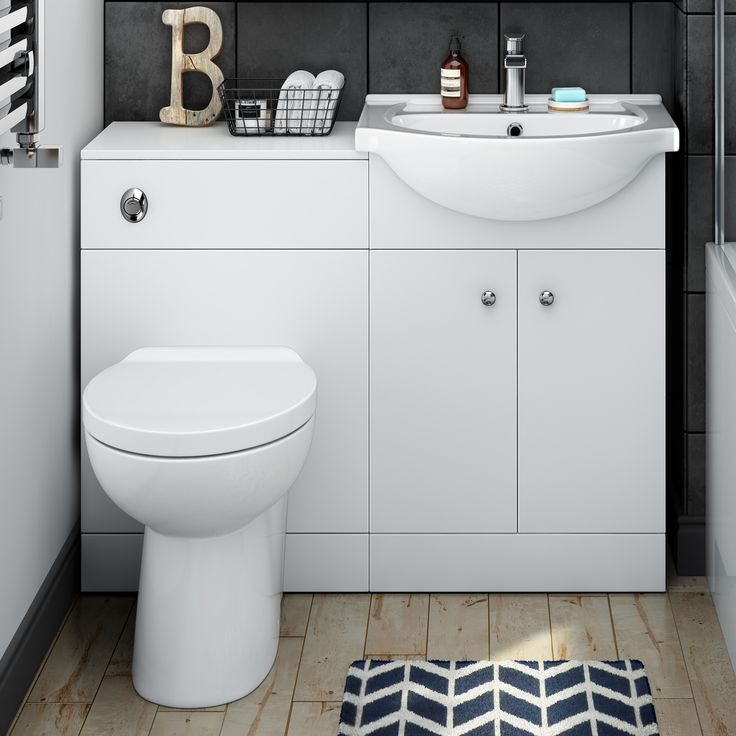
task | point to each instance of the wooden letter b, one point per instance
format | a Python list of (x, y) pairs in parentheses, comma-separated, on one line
[(181, 63)]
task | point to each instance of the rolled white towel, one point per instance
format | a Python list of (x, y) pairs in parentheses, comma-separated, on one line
[(327, 85), (294, 111)]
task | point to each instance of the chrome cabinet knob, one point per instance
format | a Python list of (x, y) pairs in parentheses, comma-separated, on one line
[(134, 205), (546, 298), (488, 298)]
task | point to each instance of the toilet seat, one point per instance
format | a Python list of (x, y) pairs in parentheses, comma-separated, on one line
[(198, 401)]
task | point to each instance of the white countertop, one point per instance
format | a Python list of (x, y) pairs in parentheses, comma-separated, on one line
[(152, 140)]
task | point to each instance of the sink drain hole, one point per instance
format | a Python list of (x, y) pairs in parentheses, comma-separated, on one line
[(514, 130)]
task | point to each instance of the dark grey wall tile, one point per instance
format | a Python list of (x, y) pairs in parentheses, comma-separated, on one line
[(274, 39), (409, 41), (676, 480), (675, 403), (700, 91), (699, 84), (730, 195), (676, 217), (730, 83), (653, 46), (700, 214), (696, 362), (707, 6), (138, 58), (700, 218), (680, 53), (581, 43), (696, 474)]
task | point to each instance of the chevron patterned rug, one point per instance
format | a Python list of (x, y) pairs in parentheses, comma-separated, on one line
[(511, 698)]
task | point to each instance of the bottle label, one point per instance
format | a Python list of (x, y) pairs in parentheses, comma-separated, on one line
[(450, 82)]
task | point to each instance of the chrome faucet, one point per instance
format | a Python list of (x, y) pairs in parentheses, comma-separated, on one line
[(514, 64)]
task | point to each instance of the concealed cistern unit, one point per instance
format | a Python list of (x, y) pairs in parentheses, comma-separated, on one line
[(514, 64)]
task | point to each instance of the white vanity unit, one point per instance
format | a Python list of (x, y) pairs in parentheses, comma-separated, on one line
[(490, 392)]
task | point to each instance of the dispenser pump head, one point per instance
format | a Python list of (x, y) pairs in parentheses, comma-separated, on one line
[(455, 44)]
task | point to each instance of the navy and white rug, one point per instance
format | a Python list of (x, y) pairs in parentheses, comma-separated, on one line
[(439, 698)]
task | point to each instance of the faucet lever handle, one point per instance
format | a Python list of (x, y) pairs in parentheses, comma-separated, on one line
[(514, 42), (514, 61)]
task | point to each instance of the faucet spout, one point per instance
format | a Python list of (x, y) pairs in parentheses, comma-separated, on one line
[(514, 64)]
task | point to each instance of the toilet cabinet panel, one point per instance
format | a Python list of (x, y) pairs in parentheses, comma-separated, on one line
[(315, 302), (228, 204), (336, 563), (111, 562), (591, 392), (443, 391)]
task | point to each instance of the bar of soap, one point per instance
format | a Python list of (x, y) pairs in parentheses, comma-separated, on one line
[(568, 94)]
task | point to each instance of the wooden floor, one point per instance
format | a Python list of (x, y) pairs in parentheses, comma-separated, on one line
[(84, 686)]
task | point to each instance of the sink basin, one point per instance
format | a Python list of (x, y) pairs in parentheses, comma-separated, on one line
[(534, 124), (507, 166)]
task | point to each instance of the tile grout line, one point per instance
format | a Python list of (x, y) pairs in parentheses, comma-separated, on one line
[(489, 625), (551, 631), (236, 16), (370, 613), (368, 47), (499, 49), (301, 653), (631, 47), (613, 626), (367, 623), (426, 636), (153, 720), (549, 621), (687, 666), (684, 658)]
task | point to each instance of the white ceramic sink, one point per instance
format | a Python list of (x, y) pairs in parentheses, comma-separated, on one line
[(559, 163)]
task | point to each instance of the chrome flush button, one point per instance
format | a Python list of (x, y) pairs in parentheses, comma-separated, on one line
[(546, 298), (134, 205)]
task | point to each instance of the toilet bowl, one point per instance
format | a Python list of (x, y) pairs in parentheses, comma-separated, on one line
[(201, 445)]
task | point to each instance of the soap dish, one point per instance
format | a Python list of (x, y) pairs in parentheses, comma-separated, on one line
[(580, 106)]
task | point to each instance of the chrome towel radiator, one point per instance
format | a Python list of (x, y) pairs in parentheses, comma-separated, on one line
[(22, 84)]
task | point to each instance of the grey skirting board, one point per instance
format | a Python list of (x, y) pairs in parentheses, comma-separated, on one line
[(28, 647)]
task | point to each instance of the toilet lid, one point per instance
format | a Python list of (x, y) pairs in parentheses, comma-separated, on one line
[(190, 402)]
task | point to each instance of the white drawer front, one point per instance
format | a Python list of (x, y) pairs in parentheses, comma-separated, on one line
[(227, 204)]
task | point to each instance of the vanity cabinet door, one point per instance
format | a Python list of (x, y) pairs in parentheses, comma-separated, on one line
[(591, 391), (443, 391)]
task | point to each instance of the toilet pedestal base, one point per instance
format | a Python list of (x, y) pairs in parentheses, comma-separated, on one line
[(207, 623)]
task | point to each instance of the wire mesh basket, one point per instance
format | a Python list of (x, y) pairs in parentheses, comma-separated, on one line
[(264, 107)]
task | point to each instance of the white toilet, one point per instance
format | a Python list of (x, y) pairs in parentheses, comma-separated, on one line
[(201, 445)]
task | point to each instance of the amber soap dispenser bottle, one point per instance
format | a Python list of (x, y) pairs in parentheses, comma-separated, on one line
[(454, 78)]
